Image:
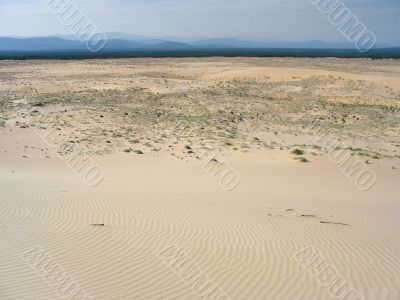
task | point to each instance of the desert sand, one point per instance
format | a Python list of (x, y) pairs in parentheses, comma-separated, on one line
[(212, 178)]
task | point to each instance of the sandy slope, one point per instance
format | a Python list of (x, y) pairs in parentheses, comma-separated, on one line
[(244, 240), (159, 225)]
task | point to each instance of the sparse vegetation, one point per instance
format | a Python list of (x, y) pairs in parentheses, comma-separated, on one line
[(297, 152), (301, 159), (243, 113)]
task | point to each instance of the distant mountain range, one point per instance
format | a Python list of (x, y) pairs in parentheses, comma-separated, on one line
[(124, 42)]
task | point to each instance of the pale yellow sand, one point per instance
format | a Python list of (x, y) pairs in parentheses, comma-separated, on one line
[(169, 230), (243, 240)]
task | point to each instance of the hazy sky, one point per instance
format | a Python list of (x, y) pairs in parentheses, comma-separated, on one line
[(292, 20)]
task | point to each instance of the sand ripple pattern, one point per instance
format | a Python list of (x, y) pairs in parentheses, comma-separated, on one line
[(249, 255)]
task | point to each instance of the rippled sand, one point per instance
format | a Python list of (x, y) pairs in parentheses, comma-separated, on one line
[(160, 221)]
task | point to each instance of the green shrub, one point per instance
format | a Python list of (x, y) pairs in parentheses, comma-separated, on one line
[(297, 152), (301, 159)]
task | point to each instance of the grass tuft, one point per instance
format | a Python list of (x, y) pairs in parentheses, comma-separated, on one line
[(297, 152)]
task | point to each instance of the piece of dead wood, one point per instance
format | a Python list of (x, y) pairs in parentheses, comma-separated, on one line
[(308, 216), (334, 223)]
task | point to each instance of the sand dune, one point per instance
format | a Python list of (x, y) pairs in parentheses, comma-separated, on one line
[(243, 245), (160, 225)]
